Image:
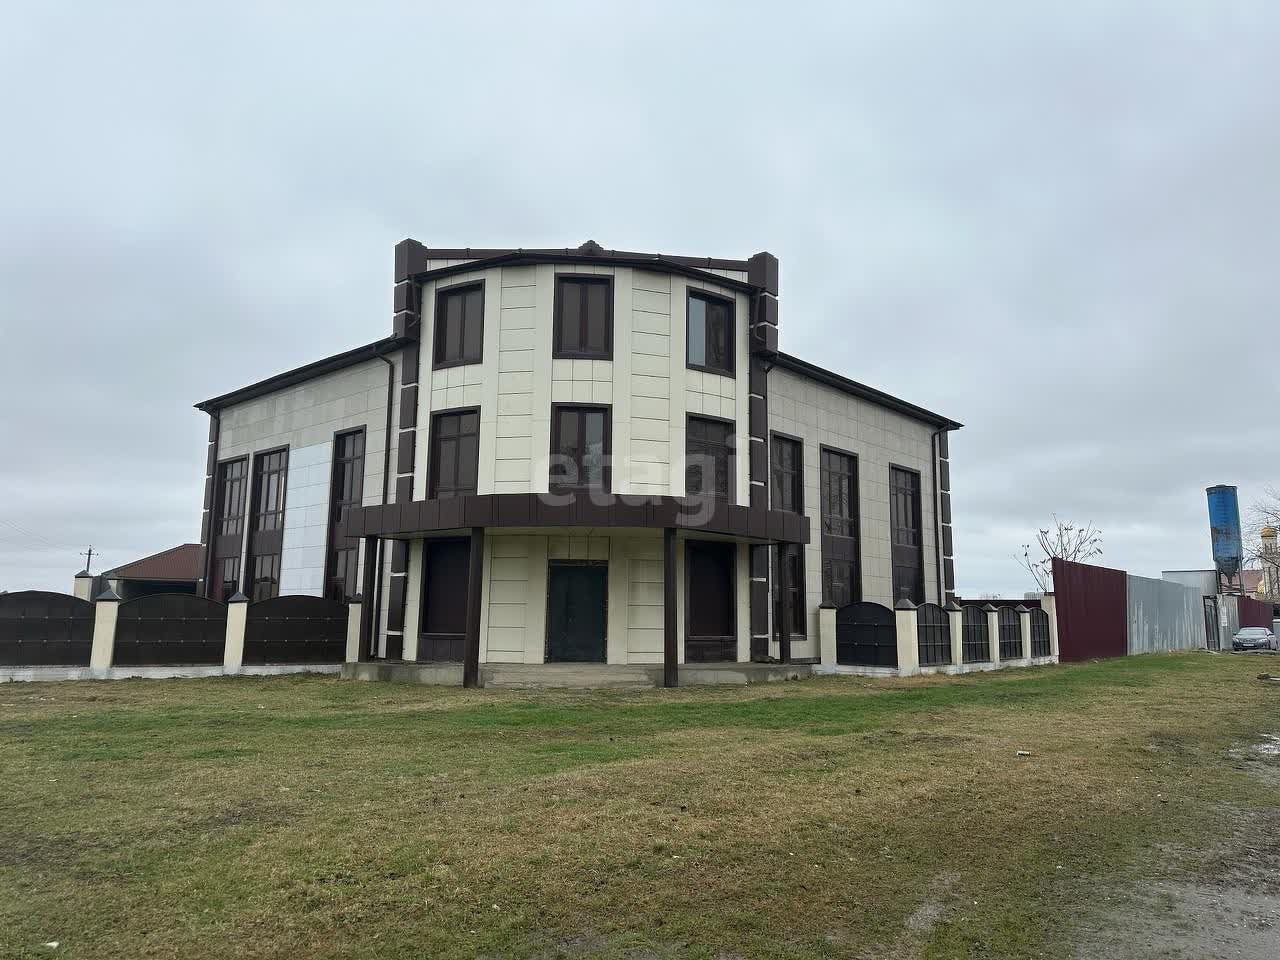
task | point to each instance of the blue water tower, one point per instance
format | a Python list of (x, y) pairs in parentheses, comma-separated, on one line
[(1224, 530)]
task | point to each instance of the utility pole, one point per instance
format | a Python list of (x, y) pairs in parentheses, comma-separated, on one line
[(88, 555)]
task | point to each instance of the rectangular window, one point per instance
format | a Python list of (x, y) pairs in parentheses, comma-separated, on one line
[(708, 458), (346, 489), (841, 579), (459, 321), (905, 535), (227, 577), (787, 467), (579, 448), (231, 489), (583, 318), (455, 454), (792, 554), (709, 333), (266, 527)]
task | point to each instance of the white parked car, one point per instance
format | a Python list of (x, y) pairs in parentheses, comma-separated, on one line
[(1253, 638)]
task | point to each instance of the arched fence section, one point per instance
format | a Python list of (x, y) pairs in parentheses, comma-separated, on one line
[(975, 637), (1010, 626), (170, 629), (1041, 646), (866, 636), (933, 635), (295, 629), (41, 628)]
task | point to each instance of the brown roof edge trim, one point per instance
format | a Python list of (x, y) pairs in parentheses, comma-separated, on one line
[(516, 258), (317, 368), (861, 390), (486, 253)]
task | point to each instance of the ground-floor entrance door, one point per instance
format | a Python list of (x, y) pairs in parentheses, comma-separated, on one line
[(445, 570), (576, 612), (710, 605)]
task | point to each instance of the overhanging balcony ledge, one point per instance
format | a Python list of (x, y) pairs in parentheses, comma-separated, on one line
[(418, 518)]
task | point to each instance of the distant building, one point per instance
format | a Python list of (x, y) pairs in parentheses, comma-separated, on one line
[(176, 570), (1269, 575)]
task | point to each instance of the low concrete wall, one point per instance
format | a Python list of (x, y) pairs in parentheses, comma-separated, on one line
[(38, 674), (1163, 615)]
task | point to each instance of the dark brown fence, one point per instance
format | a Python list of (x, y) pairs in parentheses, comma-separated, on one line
[(1093, 616), (933, 635), (42, 629), (1255, 613), (170, 629), (975, 641), (295, 629), (866, 635), (1009, 625), (1041, 642)]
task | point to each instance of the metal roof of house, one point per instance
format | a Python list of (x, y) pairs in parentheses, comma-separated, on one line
[(177, 563)]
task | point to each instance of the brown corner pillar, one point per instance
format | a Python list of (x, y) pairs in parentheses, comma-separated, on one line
[(368, 591), (784, 597), (471, 653), (670, 648)]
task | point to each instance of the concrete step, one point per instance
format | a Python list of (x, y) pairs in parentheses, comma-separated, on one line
[(595, 676)]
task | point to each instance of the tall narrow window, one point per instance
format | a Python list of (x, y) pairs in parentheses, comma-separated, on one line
[(584, 318), (904, 532), (455, 454), (792, 555), (788, 474), (459, 324), (841, 581), (266, 527), (580, 448), (346, 489), (709, 333), (228, 529), (708, 458)]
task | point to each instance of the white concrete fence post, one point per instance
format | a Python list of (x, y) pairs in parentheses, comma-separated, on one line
[(955, 620), (1049, 603), (1024, 628), (353, 631), (82, 585), (106, 610), (827, 634), (237, 617), (904, 616), (993, 632)]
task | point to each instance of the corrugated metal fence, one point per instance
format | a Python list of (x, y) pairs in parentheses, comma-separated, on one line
[(1254, 613), (1163, 616), (1092, 618)]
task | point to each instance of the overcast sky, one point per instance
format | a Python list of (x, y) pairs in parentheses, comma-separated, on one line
[(1058, 224)]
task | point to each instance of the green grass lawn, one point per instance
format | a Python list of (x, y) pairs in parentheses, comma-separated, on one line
[(309, 817)]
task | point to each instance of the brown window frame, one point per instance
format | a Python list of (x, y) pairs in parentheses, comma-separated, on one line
[(557, 409), (558, 350), (691, 294), (433, 458), (729, 496), (799, 615), (251, 570), (797, 475), (854, 520), (438, 361), (918, 517), (341, 550), (227, 545)]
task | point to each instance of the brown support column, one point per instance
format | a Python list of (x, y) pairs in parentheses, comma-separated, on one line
[(471, 653), (369, 589), (784, 586), (670, 649)]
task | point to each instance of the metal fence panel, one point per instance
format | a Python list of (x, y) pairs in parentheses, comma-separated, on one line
[(295, 629), (866, 635), (1092, 616), (170, 629), (1163, 615), (933, 635), (39, 628)]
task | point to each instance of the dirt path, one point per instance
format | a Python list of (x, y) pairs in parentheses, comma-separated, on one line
[(1225, 903)]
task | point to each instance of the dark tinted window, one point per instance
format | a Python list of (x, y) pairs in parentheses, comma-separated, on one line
[(785, 458), (905, 535), (708, 457), (709, 329), (345, 491), (455, 454), (268, 483), (231, 490), (459, 325), (580, 448), (584, 317), (791, 554), (841, 583)]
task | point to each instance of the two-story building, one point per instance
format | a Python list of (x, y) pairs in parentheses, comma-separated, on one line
[(577, 455)]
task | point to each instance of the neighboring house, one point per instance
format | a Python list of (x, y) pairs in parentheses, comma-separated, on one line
[(577, 455), (176, 570)]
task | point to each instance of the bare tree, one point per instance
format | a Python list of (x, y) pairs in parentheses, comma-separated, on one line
[(1259, 555), (1063, 540)]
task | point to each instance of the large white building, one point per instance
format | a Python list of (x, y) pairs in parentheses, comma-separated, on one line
[(577, 455)]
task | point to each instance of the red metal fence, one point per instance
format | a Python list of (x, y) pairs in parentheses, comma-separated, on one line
[(1093, 618), (1254, 613)]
